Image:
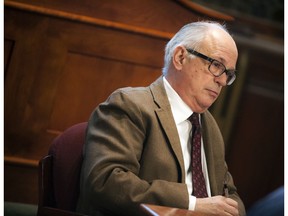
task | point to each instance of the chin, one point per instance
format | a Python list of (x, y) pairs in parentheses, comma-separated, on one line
[(206, 107)]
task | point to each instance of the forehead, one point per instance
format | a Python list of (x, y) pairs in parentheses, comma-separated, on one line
[(221, 46)]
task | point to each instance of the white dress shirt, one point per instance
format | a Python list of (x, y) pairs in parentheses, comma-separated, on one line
[(181, 112)]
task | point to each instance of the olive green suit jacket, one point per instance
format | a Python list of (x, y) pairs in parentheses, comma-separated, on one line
[(133, 155)]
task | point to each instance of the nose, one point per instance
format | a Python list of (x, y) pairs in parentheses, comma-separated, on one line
[(221, 80)]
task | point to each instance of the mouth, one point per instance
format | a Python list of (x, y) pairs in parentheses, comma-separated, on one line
[(213, 93)]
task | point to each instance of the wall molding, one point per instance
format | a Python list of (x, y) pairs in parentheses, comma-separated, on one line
[(205, 10), (88, 20), (16, 161)]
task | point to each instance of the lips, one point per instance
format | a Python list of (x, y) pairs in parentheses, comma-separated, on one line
[(213, 93)]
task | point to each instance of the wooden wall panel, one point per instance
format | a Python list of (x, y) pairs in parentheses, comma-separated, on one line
[(57, 71), (163, 15), (87, 81), (52, 60), (8, 49), (259, 139), (21, 183), (258, 129)]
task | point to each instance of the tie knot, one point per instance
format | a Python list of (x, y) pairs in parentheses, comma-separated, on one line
[(194, 119)]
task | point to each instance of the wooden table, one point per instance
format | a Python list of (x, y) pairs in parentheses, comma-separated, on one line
[(155, 210)]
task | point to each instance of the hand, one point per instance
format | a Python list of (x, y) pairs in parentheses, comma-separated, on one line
[(217, 205)]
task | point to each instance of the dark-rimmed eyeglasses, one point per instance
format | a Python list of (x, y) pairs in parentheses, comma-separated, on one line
[(216, 68)]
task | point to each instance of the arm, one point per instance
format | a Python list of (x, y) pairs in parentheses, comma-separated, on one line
[(218, 170), (221, 204), (117, 134)]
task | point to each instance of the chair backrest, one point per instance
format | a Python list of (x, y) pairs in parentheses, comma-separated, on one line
[(59, 172)]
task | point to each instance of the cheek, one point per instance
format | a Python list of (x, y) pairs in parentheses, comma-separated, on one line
[(195, 76), (204, 76), (198, 76)]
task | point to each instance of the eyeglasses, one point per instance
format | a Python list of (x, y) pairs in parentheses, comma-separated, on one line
[(216, 68)]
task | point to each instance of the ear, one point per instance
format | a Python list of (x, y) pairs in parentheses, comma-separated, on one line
[(179, 57)]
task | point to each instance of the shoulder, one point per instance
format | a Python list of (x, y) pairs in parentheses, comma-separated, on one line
[(142, 96), (130, 95), (211, 127), (208, 118)]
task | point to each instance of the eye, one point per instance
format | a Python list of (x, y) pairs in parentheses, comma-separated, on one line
[(217, 64)]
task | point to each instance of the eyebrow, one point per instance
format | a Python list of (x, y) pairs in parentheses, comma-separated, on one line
[(223, 61)]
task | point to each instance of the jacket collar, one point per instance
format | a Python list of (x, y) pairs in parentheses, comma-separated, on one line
[(165, 116)]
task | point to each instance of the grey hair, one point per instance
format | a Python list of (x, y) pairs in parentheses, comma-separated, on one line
[(190, 35)]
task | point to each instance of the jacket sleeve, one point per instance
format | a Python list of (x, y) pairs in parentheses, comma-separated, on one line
[(234, 195), (217, 166), (110, 173)]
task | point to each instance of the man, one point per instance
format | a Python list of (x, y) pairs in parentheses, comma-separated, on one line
[(138, 147)]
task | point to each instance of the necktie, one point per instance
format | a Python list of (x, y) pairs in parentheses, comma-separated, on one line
[(199, 186)]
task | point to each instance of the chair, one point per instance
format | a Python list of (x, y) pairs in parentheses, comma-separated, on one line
[(59, 173)]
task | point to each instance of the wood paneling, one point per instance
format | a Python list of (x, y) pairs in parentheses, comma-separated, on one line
[(87, 81), (21, 183), (161, 15), (62, 70), (259, 139), (8, 48), (258, 129)]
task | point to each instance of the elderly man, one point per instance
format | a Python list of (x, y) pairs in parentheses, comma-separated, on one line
[(159, 144)]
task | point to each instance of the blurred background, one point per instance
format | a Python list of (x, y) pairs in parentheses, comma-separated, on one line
[(62, 58)]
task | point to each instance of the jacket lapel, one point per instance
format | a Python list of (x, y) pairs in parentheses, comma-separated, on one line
[(166, 120), (209, 141)]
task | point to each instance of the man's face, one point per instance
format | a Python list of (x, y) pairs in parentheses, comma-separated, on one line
[(199, 88)]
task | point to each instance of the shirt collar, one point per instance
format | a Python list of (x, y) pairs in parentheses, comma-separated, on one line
[(181, 111)]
